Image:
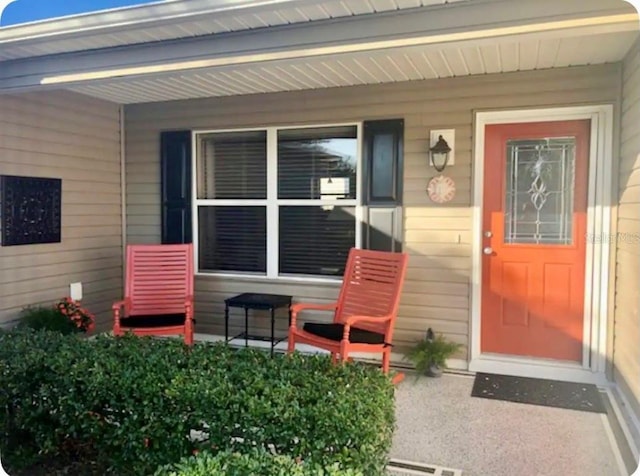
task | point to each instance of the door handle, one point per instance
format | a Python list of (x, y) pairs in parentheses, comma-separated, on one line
[(488, 250)]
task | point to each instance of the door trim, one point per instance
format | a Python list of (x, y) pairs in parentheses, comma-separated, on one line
[(593, 364)]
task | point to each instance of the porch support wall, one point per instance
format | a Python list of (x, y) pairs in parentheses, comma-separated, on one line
[(437, 237), (75, 138), (626, 340)]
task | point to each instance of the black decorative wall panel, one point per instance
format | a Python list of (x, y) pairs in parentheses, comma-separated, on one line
[(30, 210)]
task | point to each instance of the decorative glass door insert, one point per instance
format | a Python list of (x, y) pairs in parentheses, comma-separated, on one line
[(540, 185)]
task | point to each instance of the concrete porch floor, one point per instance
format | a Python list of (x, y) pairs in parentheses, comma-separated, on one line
[(440, 423)]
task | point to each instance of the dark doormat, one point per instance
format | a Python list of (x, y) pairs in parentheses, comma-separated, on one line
[(548, 393)]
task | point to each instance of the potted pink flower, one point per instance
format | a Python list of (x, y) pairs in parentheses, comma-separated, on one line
[(83, 320)]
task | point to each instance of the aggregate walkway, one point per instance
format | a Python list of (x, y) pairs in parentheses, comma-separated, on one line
[(440, 424)]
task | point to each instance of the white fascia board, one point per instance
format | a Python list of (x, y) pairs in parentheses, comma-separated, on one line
[(476, 21), (175, 11), (134, 17)]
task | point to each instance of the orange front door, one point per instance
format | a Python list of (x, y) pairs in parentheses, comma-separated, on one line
[(534, 237)]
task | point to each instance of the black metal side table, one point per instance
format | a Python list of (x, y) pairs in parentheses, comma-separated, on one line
[(255, 301)]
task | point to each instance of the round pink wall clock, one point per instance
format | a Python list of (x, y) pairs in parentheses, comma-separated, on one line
[(441, 189)]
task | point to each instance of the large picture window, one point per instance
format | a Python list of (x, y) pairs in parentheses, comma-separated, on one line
[(278, 201)]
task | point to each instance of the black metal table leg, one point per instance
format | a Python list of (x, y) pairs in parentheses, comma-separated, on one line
[(246, 327), (226, 323)]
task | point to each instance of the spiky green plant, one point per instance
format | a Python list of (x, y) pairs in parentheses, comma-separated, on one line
[(432, 350)]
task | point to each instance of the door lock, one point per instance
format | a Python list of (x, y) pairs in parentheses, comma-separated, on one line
[(488, 234)]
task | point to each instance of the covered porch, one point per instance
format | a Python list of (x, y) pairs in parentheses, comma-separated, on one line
[(127, 106)]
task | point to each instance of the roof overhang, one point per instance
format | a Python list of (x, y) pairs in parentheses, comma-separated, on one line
[(471, 37), (176, 19)]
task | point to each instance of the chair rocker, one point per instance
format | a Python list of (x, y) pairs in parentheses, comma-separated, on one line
[(365, 312), (158, 296)]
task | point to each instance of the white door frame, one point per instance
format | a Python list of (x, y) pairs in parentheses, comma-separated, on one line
[(592, 368)]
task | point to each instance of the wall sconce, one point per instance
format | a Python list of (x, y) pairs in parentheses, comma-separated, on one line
[(441, 152)]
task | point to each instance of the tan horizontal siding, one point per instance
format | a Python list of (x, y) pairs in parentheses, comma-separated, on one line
[(75, 138), (626, 339), (438, 238)]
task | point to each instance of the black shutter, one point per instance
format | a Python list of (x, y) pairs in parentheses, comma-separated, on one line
[(175, 151), (382, 185)]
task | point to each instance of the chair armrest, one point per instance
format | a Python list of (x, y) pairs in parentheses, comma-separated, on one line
[(296, 308), (118, 306), (301, 306), (351, 320)]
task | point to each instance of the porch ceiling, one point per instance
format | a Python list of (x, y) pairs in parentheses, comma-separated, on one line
[(402, 40), (507, 54)]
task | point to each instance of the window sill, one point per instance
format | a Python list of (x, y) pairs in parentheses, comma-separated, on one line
[(329, 282)]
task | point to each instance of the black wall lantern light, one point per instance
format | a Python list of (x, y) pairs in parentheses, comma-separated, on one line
[(440, 154), (441, 189)]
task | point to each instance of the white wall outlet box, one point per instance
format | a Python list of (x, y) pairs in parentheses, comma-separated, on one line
[(75, 291), (450, 136)]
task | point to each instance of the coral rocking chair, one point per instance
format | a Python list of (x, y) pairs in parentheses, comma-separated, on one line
[(365, 312), (158, 296)]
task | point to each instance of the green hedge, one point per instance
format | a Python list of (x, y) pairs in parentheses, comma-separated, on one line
[(131, 403), (255, 463)]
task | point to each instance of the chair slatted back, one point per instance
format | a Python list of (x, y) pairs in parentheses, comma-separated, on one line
[(372, 286), (159, 277)]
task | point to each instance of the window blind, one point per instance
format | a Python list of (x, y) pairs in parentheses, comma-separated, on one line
[(315, 240), (233, 165), (233, 238), (317, 163)]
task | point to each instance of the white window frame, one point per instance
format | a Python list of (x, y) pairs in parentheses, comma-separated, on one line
[(272, 202)]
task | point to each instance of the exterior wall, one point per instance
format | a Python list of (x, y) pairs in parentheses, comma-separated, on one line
[(626, 351), (75, 138), (438, 238)]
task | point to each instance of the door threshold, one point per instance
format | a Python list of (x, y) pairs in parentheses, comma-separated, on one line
[(545, 369)]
